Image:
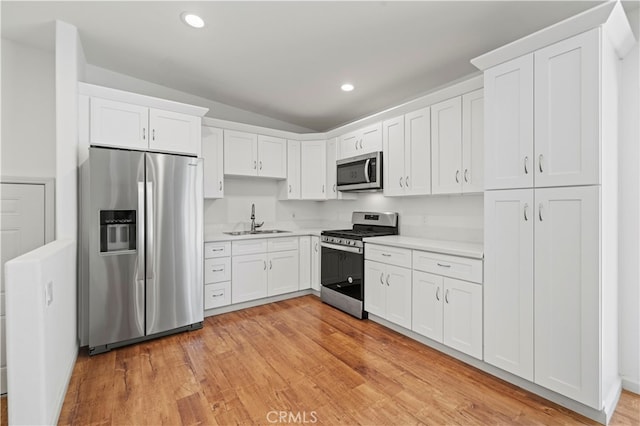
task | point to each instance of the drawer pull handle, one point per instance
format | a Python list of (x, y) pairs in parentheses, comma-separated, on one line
[(444, 265), (218, 295), (217, 270), (218, 249), (386, 254)]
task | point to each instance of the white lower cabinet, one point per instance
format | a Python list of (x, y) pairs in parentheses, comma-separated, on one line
[(217, 275), (388, 292), (304, 250), (283, 272), (249, 277), (315, 263), (448, 311)]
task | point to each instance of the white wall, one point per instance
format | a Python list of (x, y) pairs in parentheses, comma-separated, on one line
[(108, 78), (28, 112), (629, 202)]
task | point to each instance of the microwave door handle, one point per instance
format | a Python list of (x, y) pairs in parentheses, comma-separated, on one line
[(366, 170)]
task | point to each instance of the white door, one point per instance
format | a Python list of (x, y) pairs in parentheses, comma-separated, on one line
[(293, 170), (118, 124), (370, 138), (473, 141), (240, 153), (304, 245), (313, 170), (315, 263), (508, 91), (174, 132), (213, 155), (567, 292), (332, 155), (428, 299), (283, 272), (463, 316), (509, 217), (398, 296), (272, 157), (349, 145), (567, 112), (23, 229), (249, 277), (393, 162), (417, 152), (375, 289), (446, 146)]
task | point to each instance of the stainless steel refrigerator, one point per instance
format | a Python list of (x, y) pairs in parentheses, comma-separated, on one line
[(145, 218)]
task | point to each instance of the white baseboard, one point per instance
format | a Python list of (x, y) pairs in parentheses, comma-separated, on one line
[(631, 384)]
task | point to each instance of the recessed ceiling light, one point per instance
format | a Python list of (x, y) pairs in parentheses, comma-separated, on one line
[(347, 87), (192, 20)]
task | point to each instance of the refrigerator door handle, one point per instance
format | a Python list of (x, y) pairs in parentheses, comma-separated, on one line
[(150, 231), (140, 234)]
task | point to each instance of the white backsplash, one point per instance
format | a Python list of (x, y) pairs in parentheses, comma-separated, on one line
[(449, 217)]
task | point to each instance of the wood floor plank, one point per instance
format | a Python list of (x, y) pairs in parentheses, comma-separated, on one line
[(302, 359)]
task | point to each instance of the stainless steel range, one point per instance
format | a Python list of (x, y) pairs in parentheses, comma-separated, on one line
[(342, 273)]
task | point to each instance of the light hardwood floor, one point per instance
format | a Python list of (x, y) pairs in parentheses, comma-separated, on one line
[(307, 360)]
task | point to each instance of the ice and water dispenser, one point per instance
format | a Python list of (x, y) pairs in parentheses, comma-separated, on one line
[(117, 230)]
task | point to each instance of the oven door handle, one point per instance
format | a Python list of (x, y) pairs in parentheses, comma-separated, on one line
[(357, 250)]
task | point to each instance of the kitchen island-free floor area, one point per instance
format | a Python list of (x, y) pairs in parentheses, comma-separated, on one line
[(299, 361)]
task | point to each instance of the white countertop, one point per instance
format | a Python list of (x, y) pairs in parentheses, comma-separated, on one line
[(454, 248), (217, 236)]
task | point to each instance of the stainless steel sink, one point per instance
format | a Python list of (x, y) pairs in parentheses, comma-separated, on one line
[(259, 231)]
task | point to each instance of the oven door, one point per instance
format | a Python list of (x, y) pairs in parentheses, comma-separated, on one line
[(361, 173), (342, 270)]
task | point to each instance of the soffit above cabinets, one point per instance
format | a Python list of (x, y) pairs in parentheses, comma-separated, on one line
[(287, 60)]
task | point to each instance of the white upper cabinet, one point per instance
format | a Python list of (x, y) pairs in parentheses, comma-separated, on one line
[(123, 125), (508, 280), (174, 132), (313, 169), (567, 112), (508, 91), (248, 154), (272, 157), (332, 156), (473, 141), (446, 146), (213, 155), (553, 94), (119, 124), (292, 189), (394, 156), (240, 153), (362, 141), (417, 152)]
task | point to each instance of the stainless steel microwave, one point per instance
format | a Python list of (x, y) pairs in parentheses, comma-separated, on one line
[(361, 173)]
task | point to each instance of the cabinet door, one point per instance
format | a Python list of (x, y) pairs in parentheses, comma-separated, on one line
[(332, 155), (349, 145), (428, 296), (213, 154), (315, 263), (446, 146), (249, 277), (305, 262), (393, 158), (417, 152), (240, 153), (375, 289), (473, 141), (567, 112), (272, 157), (508, 91), (370, 139), (313, 170), (293, 170), (567, 292), (398, 295), (508, 280), (463, 316), (283, 272), (174, 132), (118, 124)]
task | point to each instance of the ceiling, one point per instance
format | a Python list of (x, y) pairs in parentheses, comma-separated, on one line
[(287, 60)]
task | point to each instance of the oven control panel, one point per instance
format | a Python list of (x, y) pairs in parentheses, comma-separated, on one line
[(341, 241)]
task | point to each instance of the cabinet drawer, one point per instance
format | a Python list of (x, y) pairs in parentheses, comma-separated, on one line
[(249, 247), (283, 244), (391, 255), (217, 270), (450, 266), (216, 295), (217, 249)]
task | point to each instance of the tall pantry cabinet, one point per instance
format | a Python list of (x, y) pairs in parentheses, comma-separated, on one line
[(550, 285)]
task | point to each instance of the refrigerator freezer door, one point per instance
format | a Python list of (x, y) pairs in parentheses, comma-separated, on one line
[(116, 249), (174, 221)]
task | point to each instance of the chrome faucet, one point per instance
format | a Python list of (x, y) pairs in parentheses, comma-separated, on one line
[(254, 225)]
